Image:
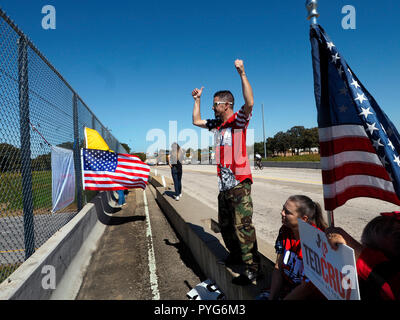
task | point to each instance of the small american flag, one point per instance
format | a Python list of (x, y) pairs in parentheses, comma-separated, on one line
[(359, 144), (105, 170)]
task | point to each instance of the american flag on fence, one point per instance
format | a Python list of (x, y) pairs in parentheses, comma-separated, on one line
[(105, 170), (359, 144)]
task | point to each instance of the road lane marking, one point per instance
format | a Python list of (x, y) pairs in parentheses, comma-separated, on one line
[(14, 250), (10, 251), (289, 180), (152, 260)]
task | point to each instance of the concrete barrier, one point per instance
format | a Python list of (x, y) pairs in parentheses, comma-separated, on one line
[(292, 164), (201, 234), (285, 164), (31, 280)]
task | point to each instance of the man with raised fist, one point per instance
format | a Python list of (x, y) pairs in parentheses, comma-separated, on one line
[(235, 206)]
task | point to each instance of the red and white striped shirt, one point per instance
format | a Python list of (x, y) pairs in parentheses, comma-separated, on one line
[(233, 165)]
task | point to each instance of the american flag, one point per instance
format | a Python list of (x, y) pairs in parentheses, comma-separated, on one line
[(105, 170), (359, 144)]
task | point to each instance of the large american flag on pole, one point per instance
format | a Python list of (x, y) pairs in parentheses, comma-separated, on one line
[(359, 145), (105, 171)]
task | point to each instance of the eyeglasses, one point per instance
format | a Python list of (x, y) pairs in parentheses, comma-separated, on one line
[(220, 102)]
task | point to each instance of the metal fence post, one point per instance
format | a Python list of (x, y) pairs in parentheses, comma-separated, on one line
[(25, 138), (77, 154)]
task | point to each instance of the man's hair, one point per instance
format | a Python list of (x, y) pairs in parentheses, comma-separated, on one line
[(226, 96), (382, 228)]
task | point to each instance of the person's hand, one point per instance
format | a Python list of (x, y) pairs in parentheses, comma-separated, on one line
[(196, 93), (239, 66), (335, 237)]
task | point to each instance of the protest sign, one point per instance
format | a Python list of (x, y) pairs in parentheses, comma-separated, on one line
[(333, 272)]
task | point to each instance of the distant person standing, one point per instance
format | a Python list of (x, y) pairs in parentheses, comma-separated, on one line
[(235, 206), (121, 198), (258, 161), (175, 159)]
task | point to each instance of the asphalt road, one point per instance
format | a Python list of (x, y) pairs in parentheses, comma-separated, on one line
[(271, 188), (12, 234)]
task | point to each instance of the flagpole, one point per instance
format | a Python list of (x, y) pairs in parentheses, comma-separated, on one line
[(311, 6), (313, 14), (331, 221)]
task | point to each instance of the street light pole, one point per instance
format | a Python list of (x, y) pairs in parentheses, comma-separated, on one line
[(265, 145)]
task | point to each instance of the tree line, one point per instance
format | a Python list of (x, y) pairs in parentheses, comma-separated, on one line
[(293, 141)]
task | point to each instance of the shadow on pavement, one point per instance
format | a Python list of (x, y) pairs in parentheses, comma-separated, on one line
[(187, 258), (104, 209)]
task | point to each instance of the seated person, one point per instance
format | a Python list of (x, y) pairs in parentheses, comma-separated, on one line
[(288, 279), (377, 256)]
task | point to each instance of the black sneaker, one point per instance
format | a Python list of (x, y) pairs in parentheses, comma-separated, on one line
[(247, 277)]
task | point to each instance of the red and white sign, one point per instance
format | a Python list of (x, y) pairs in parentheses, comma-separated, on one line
[(333, 272)]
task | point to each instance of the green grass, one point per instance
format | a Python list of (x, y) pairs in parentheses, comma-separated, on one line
[(304, 157), (6, 270), (11, 191), (11, 201)]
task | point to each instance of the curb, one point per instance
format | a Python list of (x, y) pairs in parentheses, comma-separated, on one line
[(204, 240), (292, 164)]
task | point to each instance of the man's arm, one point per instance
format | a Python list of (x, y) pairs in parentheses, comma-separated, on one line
[(246, 88), (196, 120)]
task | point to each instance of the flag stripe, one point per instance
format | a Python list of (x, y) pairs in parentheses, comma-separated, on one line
[(329, 148), (360, 191), (131, 174), (108, 188), (328, 163), (110, 178), (130, 167), (129, 161), (358, 168), (128, 156), (331, 190), (115, 174), (340, 131), (112, 183)]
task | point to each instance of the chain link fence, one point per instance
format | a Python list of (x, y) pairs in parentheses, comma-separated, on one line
[(38, 108)]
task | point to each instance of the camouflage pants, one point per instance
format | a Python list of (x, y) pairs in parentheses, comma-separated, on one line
[(235, 212)]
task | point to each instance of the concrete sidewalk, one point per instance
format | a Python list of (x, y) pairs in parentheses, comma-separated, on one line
[(110, 272), (139, 256)]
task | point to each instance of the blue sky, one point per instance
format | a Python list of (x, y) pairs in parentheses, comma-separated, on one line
[(135, 63)]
